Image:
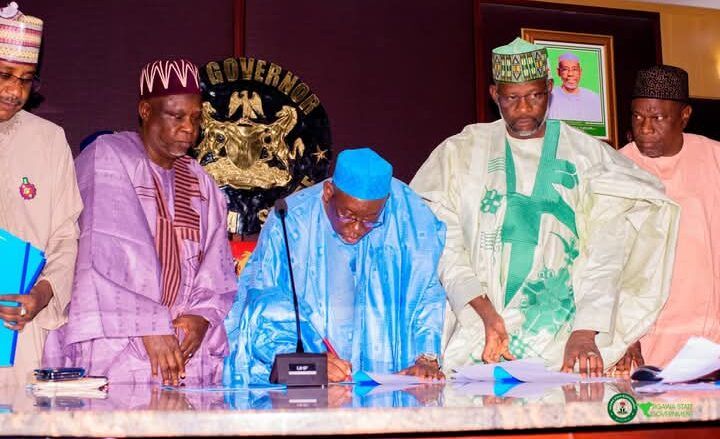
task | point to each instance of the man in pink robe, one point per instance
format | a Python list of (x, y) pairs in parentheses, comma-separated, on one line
[(689, 167), (154, 277)]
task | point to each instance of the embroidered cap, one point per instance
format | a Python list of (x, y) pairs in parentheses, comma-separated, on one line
[(175, 76), (519, 61), (662, 82), (20, 35), (363, 174)]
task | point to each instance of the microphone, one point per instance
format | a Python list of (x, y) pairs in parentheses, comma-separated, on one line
[(281, 210), (299, 368)]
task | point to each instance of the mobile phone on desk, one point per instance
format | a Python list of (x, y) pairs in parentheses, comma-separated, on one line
[(59, 373)]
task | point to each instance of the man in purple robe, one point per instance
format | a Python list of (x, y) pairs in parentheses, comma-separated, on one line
[(154, 277)]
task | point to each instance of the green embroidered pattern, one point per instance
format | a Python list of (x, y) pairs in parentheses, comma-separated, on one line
[(521, 225), (496, 164), (548, 302), (491, 201), (520, 349), (490, 240)]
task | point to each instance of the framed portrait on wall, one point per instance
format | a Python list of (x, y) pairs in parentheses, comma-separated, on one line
[(581, 66)]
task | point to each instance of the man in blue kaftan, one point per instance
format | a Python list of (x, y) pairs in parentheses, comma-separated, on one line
[(364, 250)]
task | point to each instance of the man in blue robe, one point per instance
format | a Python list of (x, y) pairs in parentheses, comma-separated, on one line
[(364, 249)]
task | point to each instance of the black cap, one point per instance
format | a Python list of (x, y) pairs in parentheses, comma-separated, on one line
[(662, 82)]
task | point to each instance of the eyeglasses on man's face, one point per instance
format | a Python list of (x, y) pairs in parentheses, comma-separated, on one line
[(32, 83), (349, 219), (574, 69), (533, 98)]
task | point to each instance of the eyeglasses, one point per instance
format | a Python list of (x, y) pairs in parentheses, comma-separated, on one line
[(531, 98), (351, 219), (569, 69), (8, 78)]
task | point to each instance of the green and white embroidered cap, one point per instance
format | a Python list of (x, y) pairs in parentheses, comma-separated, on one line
[(519, 61)]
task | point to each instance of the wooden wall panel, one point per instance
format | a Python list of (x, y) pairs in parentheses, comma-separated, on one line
[(636, 37)]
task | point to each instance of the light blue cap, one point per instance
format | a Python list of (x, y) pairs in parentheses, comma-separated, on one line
[(362, 173)]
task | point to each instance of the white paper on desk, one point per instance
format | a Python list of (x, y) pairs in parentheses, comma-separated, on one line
[(696, 359), (86, 387), (79, 384), (525, 370)]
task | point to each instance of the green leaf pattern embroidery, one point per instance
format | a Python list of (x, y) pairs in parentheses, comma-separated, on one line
[(491, 201)]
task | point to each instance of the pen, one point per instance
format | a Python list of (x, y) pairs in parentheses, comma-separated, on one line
[(332, 351), (325, 340), (330, 347)]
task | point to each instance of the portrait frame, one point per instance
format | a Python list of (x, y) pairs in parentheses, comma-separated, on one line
[(594, 54)]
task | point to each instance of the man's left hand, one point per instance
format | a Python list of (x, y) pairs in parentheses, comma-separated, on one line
[(194, 327), (429, 370), (581, 348), (30, 305), (633, 358)]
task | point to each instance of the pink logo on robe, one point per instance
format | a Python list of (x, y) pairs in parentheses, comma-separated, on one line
[(27, 189)]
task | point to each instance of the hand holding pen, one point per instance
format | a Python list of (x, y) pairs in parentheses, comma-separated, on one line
[(338, 369)]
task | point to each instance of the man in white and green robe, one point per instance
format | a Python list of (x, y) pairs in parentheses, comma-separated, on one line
[(569, 244)]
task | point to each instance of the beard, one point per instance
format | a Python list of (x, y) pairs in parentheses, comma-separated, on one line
[(539, 123)]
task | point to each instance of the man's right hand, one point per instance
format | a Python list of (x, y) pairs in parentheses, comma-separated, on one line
[(338, 369), (165, 355), (496, 338)]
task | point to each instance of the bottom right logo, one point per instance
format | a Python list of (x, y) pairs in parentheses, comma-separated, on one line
[(622, 408)]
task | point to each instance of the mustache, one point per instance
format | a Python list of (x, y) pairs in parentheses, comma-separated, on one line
[(525, 133)]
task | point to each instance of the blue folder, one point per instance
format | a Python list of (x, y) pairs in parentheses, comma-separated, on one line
[(20, 266)]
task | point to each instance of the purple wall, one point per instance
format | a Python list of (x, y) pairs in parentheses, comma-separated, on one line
[(93, 51), (395, 75)]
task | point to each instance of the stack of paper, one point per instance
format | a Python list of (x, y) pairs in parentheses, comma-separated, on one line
[(87, 387), (20, 266), (519, 371), (696, 359)]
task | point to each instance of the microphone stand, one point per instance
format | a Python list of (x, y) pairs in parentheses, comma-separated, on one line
[(282, 213), (298, 368)]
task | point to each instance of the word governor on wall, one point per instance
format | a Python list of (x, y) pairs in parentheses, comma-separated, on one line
[(247, 69)]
